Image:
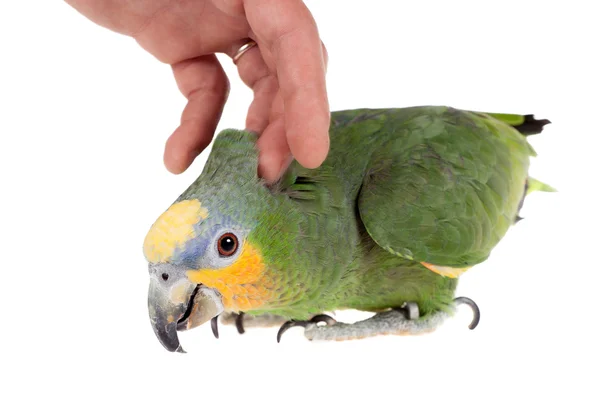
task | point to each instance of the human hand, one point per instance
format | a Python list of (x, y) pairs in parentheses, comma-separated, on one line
[(286, 71)]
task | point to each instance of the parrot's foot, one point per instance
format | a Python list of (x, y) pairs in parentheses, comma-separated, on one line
[(399, 321), (242, 321), (311, 322)]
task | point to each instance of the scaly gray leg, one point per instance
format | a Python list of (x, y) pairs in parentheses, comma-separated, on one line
[(401, 321)]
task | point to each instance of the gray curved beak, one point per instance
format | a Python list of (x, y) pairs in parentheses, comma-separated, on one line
[(176, 304)]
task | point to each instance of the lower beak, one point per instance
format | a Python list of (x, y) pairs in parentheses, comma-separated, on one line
[(178, 304)]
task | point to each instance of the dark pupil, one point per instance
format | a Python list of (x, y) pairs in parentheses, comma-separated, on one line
[(227, 244)]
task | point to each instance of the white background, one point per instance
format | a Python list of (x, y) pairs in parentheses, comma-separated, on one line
[(84, 115)]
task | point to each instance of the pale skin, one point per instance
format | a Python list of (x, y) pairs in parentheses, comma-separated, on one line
[(286, 71)]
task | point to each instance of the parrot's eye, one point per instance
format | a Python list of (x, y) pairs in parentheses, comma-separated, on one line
[(227, 244)]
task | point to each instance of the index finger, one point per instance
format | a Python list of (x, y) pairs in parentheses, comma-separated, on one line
[(289, 33)]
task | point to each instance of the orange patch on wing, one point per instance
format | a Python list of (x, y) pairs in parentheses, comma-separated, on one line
[(243, 285), (448, 272)]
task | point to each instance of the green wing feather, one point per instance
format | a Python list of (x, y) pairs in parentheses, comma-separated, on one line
[(445, 186)]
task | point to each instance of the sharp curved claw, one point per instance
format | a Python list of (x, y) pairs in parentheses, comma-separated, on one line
[(314, 320), (287, 325), (474, 307), (239, 323), (214, 325)]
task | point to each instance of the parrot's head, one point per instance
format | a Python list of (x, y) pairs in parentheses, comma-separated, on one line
[(201, 255)]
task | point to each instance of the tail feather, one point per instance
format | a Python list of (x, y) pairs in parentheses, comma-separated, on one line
[(533, 185), (526, 124), (532, 126)]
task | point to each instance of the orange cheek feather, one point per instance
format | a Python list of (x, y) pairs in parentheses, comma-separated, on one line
[(243, 285)]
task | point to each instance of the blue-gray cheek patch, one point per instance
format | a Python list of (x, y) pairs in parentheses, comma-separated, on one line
[(192, 251)]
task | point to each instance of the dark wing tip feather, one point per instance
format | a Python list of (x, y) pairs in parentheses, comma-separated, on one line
[(532, 126)]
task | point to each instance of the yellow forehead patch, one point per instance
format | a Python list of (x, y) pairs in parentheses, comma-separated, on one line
[(172, 229)]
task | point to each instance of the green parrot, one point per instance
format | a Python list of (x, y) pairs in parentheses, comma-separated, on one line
[(407, 200)]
